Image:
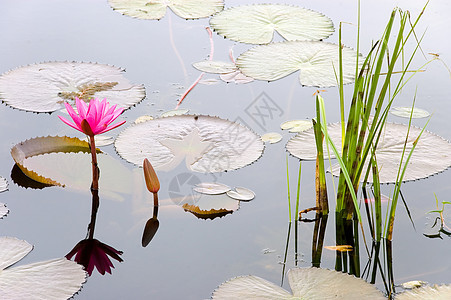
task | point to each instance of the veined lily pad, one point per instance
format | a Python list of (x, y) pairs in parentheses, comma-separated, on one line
[(45, 87), (156, 9), (272, 137), (432, 153), (305, 283), (52, 279), (404, 112), (242, 194), (65, 161), (256, 24), (318, 62), (3, 210), (211, 188), (3, 184), (427, 293), (207, 144), (212, 206)]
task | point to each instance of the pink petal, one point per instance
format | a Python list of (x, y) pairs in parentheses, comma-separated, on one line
[(72, 114), (81, 108), (110, 128), (70, 124)]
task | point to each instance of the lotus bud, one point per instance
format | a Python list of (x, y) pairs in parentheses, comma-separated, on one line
[(153, 185)]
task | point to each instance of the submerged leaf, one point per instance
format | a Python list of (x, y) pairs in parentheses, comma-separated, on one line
[(52, 279), (156, 9), (317, 61), (45, 87), (435, 292), (272, 137), (207, 144), (406, 112), (3, 210), (432, 153), (211, 188), (242, 194), (256, 24), (305, 283)]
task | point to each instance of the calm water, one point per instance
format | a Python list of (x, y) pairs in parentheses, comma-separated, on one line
[(188, 257)]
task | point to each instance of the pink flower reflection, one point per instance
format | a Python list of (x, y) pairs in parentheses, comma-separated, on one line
[(92, 253), (98, 114)]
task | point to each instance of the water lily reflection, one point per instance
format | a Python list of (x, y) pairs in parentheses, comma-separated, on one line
[(92, 253)]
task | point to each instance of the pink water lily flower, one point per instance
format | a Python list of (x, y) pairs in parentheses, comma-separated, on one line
[(98, 115)]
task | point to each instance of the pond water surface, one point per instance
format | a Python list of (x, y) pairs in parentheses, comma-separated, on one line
[(189, 257)]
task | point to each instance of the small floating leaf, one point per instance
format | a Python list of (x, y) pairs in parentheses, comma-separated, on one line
[(143, 119), (296, 125), (3, 210), (432, 153), (52, 279), (305, 283), (207, 144), (405, 112), (317, 61), (45, 87), (211, 188), (212, 206), (174, 112), (413, 284), (156, 9), (242, 194), (427, 293), (256, 24), (272, 137), (3, 184)]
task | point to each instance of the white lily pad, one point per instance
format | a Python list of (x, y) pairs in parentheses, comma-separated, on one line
[(317, 61), (156, 9), (256, 24), (3, 210), (52, 279), (3, 184), (215, 67), (45, 87), (436, 292), (405, 112), (432, 153), (272, 137), (174, 112), (143, 119), (242, 194), (305, 283), (211, 206), (207, 144), (296, 125), (211, 188), (413, 284)]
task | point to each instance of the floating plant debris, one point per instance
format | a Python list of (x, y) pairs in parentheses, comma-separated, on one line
[(52, 279), (341, 248), (211, 188), (256, 24), (3, 210), (156, 9), (432, 153), (46, 86), (207, 144), (241, 193), (296, 125), (272, 137), (305, 283), (405, 112), (3, 184), (317, 61), (211, 206)]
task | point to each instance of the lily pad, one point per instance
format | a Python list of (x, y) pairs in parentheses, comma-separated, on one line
[(228, 71), (211, 188), (432, 153), (242, 194), (426, 293), (64, 161), (45, 87), (143, 119), (207, 144), (3, 184), (296, 125), (272, 137), (156, 9), (317, 61), (305, 283), (256, 24), (174, 112), (52, 279), (3, 210), (211, 206), (101, 140), (405, 112)]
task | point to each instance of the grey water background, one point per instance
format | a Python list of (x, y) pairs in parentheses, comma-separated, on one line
[(188, 257)]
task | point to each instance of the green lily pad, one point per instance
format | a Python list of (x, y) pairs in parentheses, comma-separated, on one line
[(256, 24), (305, 283), (156, 9), (432, 153), (206, 144), (427, 293), (45, 87), (52, 279), (317, 61), (405, 112)]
